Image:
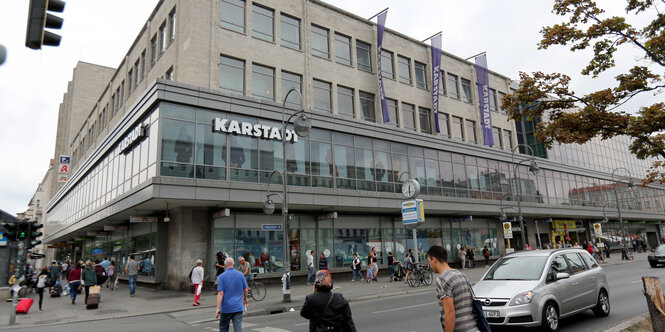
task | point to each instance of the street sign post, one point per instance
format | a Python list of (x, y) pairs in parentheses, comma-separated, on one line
[(271, 227), (507, 230), (413, 212)]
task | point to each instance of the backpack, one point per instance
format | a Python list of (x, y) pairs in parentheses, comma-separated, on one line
[(110, 271), (101, 274)]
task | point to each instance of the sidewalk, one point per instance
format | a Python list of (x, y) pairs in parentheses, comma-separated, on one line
[(118, 304)]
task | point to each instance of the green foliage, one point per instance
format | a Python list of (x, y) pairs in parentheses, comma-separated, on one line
[(575, 118)]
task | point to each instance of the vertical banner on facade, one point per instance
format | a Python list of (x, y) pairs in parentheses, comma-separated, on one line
[(63, 169), (381, 23), (436, 72), (482, 77)]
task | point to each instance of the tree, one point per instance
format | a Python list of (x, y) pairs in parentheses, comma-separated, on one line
[(574, 118)]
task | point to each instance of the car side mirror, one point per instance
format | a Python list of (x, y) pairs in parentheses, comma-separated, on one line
[(562, 275), (653, 250)]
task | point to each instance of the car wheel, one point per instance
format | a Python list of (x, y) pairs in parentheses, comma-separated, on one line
[(550, 320), (602, 308), (653, 264)]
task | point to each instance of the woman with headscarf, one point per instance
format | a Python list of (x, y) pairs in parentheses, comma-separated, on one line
[(325, 310)]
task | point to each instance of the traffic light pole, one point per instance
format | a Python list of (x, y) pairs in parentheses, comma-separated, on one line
[(23, 245)]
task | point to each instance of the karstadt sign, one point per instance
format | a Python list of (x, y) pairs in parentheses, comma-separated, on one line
[(252, 130)]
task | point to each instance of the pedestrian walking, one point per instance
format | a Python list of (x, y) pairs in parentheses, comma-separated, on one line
[(132, 271), (64, 269), (89, 279), (310, 267), (607, 248), (470, 257), (231, 297), (54, 274), (408, 265), (74, 278), (112, 275), (486, 255), (391, 266), (197, 281), (105, 264), (323, 262), (375, 265), (219, 264), (327, 311), (355, 267), (453, 292), (461, 254), (41, 284)]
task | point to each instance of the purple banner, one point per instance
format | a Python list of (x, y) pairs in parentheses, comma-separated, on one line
[(436, 72), (482, 77), (381, 23)]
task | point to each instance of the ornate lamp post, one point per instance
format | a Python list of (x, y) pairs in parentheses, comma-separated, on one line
[(533, 168), (302, 126), (616, 197), (502, 210)]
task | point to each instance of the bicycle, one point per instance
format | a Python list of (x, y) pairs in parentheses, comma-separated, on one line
[(421, 275), (257, 290)]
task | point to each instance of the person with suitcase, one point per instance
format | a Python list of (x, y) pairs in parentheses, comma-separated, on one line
[(89, 279)]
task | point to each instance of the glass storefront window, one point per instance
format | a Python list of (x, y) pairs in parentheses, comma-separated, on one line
[(345, 167), (177, 148), (262, 249), (326, 237)]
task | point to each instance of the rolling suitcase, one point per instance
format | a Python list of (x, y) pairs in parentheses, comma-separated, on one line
[(24, 306), (93, 301)]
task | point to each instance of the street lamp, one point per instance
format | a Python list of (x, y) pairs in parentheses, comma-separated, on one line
[(502, 212), (616, 196), (302, 126), (533, 168)]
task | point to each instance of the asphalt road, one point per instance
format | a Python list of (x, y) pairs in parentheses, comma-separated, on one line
[(416, 312)]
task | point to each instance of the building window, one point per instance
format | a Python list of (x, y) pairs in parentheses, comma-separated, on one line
[(425, 115), (169, 74), (442, 83), (457, 128), (363, 55), (453, 90), (500, 102), (320, 42), (496, 135), (290, 81), (493, 107), (466, 90), (387, 68), (137, 70), (507, 140), (232, 75), (263, 81), (153, 50), (322, 96), (471, 131), (262, 23), (342, 49), (392, 111), (143, 64), (404, 69), (233, 15), (444, 127), (122, 93), (421, 77), (130, 79), (172, 25), (408, 113), (345, 100), (162, 38), (290, 31), (367, 106)]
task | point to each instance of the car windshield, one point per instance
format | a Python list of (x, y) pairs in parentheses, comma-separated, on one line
[(661, 247), (517, 268)]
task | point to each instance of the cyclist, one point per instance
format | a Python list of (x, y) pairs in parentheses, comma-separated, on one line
[(244, 267)]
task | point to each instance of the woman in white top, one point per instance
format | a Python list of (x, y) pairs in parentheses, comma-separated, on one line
[(197, 281)]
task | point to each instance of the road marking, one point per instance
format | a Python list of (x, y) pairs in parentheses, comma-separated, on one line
[(301, 324), (407, 307), (270, 329), (636, 281)]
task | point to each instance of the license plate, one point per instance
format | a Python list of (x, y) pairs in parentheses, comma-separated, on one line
[(661, 261), (492, 314)]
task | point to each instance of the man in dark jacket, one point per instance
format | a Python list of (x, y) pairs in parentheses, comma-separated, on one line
[(327, 310)]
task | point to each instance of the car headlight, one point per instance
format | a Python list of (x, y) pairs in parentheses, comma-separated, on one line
[(522, 298)]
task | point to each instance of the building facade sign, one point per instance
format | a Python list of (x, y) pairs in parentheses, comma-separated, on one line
[(63, 170), (436, 72), (252, 130), (482, 76), (135, 219), (134, 137)]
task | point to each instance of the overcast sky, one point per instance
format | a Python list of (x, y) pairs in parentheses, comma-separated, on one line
[(32, 83)]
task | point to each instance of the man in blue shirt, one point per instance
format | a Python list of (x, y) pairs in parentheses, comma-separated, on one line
[(105, 264), (231, 297)]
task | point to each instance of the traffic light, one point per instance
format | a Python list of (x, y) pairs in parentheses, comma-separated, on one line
[(34, 234), (22, 231), (39, 18), (12, 228)]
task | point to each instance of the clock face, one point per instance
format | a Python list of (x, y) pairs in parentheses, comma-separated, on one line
[(410, 188)]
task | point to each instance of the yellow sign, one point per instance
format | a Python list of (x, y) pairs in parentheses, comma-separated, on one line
[(597, 230), (507, 230)]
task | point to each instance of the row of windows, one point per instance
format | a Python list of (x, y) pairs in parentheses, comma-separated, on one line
[(233, 18), (159, 42), (232, 79)]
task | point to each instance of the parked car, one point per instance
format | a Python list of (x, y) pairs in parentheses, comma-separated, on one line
[(657, 256), (537, 288)]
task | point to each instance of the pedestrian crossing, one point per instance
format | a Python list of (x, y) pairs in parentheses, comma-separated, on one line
[(248, 327)]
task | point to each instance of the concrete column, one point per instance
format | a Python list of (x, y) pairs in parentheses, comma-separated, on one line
[(187, 241), (530, 234)]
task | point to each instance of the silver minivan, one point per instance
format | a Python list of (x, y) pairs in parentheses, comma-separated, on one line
[(537, 288)]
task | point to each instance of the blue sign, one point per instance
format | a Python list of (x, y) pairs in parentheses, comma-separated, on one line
[(3, 239), (271, 227), (64, 159), (413, 212)]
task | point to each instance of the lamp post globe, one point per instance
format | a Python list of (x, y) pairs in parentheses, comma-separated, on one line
[(533, 167), (302, 125), (268, 206)]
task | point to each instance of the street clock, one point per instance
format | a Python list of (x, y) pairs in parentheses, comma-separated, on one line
[(410, 188)]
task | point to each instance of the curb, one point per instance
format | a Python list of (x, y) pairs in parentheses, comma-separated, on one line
[(627, 323), (278, 308)]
